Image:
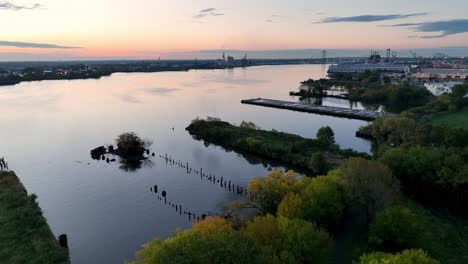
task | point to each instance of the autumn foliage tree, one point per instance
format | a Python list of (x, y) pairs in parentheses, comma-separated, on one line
[(271, 189), (290, 240), (210, 241)]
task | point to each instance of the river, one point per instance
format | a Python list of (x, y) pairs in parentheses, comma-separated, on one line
[(49, 127)]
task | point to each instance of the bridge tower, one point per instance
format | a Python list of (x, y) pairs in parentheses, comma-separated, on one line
[(324, 57)]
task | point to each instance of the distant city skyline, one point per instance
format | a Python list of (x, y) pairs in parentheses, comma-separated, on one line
[(149, 29)]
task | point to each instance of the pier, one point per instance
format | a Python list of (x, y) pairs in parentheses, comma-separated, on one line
[(317, 109)]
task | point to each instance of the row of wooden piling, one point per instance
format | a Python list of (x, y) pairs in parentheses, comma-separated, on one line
[(212, 178), (3, 165), (178, 207)]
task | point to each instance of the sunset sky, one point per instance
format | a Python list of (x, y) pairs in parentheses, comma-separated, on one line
[(63, 29)]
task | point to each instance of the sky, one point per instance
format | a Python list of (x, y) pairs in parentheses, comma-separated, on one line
[(149, 29)]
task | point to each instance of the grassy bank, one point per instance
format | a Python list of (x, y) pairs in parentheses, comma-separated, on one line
[(25, 236), (455, 119), (287, 148)]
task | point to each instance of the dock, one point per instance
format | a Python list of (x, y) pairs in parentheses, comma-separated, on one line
[(317, 109)]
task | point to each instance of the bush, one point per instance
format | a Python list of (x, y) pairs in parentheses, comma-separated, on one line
[(395, 229), (129, 144), (324, 201), (210, 241), (415, 256), (409, 225), (437, 176), (318, 163), (291, 241), (271, 189), (291, 207), (326, 136), (369, 185)]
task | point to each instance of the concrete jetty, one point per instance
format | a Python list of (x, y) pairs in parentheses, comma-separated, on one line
[(317, 109)]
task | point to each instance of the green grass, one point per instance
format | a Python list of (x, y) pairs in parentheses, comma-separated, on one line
[(25, 236), (456, 119)]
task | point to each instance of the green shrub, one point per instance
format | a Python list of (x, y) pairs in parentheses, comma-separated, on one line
[(395, 229), (291, 240), (415, 256), (324, 201), (291, 207)]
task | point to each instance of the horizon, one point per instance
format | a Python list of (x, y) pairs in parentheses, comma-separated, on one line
[(252, 54), (52, 30)]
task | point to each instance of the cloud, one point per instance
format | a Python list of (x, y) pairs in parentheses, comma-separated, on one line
[(369, 18), (403, 25), (444, 28), (276, 18), (34, 45), (199, 16), (7, 5), (208, 10)]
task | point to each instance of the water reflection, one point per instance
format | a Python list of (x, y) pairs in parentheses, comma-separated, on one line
[(212, 178), (253, 159), (127, 165), (50, 116), (192, 215), (134, 165), (161, 91), (338, 97)]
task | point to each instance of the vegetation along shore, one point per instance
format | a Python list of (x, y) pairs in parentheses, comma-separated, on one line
[(25, 236)]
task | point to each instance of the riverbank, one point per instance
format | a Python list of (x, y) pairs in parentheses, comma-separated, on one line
[(12, 73), (287, 148), (25, 236)]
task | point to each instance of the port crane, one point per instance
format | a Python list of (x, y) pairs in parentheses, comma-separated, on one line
[(414, 54)]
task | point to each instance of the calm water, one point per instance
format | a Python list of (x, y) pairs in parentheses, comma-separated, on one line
[(49, 127)]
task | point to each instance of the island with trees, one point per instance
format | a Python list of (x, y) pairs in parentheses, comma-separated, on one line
[(131, 150), (316, 155)]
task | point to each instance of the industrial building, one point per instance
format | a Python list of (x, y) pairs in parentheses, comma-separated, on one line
[(438, 89), (437, 73), (358, 68)]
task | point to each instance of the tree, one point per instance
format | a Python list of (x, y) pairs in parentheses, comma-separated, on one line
[(395, 130), (212, 225), (129, 144), (324, 200), (250, 125), (326, 136), (396, 228), (414, 256), (208, 242), (318, 163), (291, 207), (437, 176), (291, 240), (458, 95), (271, 189), (369, 185)]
